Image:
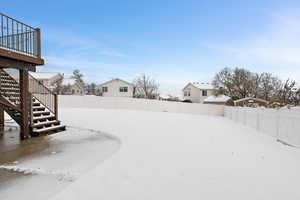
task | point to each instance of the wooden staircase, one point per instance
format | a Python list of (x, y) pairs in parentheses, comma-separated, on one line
[(42, 103)]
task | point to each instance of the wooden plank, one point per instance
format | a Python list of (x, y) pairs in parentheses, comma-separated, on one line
[(21, 57), (24, 86), (5, 103), (1, 120), (10, 63)]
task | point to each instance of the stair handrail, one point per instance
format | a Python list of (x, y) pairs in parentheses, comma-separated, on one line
[(36, 88)]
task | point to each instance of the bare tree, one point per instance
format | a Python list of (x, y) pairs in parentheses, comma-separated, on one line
[(269, 86), (237, 83), (57, 86), (65, 89), (223, 82), (285, 94), (145, 87), (295, 96), (256, 79), (78, 76), (240, 83)]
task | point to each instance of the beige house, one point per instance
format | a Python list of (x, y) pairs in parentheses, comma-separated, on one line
[(116, 88), (71, 87), (48, 79), (197, 92)]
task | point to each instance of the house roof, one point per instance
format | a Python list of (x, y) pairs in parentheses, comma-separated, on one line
[(165, 96), (219, 99), (201, 85), (68, 81), (44, 75), (115, 79), (251, 98)]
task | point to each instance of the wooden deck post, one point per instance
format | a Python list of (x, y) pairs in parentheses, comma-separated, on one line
[(24, 85), (1, 120)]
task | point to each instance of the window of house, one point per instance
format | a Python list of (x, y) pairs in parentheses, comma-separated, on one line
[(123, 89), (204, 93), (187, 93), (104, 89)]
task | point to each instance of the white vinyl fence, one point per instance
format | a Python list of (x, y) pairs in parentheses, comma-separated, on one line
[(89, 101), (282, 124)]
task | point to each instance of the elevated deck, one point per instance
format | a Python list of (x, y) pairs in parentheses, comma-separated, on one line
[(20, 44), (26, 100)]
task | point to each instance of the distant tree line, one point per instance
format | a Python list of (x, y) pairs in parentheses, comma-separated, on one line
[(59, 88), (240, 83)]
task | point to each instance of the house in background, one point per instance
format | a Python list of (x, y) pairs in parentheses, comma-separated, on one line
[(48, 79), (217, 100), (70, 86), (251, 102), (116, 88), (197, 92)]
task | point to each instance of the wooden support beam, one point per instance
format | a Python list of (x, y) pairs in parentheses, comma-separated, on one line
[(1, 120), (6, 103), (24, 86), (21, 57), (10, 63)]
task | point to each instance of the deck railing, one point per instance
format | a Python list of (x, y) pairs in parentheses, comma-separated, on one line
[(19, 37)]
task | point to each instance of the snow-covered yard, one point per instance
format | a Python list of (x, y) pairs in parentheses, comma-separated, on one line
[(160, 155)]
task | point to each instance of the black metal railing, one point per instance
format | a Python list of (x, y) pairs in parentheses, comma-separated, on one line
[(19, 37), (44, 95)]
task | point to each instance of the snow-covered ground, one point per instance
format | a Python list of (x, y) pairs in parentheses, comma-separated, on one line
[(61, 160), (166, 156), (182, 156)]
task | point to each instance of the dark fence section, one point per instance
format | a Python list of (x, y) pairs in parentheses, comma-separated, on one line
[(19, 37)]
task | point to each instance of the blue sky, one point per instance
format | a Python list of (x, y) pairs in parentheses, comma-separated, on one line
[(173, 41)]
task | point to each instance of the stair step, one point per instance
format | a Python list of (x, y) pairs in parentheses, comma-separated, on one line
[(44, 117), (10, 93), (4, 89), (41, 112), (51, 128), (38, 108), (36, 104), (39, 124)]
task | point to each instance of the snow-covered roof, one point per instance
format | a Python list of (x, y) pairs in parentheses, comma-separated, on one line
[(69, 81), (44, 75), (201, 85), (251, 98), (219, 98), (115, 79), (165, 96)]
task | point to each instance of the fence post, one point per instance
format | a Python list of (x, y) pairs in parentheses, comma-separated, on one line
[(245, 117), (55, 106), (257, 120), (38, 42), (277, 123)]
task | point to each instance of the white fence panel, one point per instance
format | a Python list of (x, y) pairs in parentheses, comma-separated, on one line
[(89, 101), (281, 124)]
